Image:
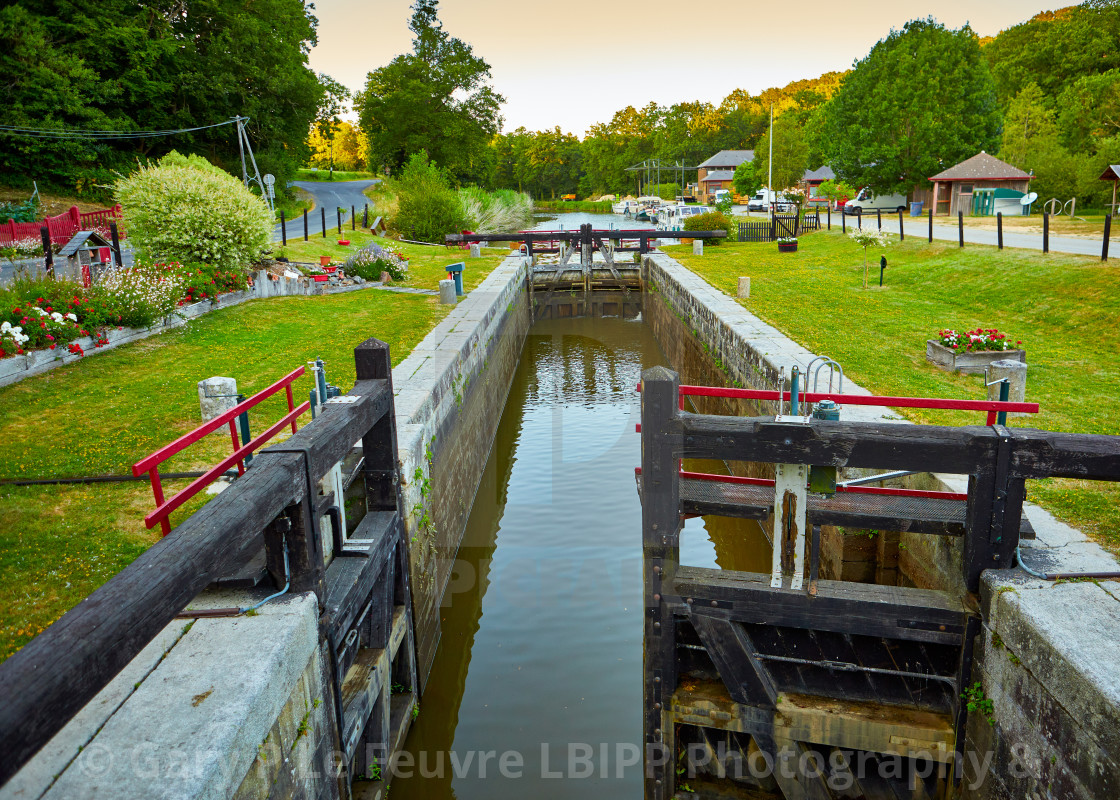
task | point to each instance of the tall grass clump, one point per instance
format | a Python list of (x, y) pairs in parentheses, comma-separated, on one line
[(501, 211), (185, 209)]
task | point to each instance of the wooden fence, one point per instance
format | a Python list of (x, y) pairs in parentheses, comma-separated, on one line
[(62, 227), (779, 226), (276, 506)]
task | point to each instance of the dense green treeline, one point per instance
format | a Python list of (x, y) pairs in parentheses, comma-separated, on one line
[(1043, 95), (122, 65)]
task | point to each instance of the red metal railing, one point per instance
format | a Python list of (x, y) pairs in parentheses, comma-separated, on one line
[(992, 407), (150, 463), (63, 226)]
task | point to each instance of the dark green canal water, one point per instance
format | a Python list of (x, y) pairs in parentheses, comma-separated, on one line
[(536, 686)]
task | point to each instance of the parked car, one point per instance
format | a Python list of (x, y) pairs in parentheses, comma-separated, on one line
[(719, 194), (867, 201)]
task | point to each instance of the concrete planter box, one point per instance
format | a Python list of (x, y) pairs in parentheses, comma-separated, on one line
[(972, 363)]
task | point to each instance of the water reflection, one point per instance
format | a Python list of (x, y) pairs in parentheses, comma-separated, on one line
[(541, 651)]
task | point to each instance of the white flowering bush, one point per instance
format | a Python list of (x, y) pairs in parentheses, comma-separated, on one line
[(373, 259), (19, 249), (140, 295), (185, 209), (865, 239)]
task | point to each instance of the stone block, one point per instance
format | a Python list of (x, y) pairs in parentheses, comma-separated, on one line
[(447, 292), (476, 251), (697, 247), (1015, 373), (216, 396)]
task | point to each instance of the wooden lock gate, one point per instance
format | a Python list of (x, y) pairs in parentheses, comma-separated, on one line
[(751, 684), (269, 520)]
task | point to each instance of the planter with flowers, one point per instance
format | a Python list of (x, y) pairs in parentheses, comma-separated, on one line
[(787, 244), (972, 351)]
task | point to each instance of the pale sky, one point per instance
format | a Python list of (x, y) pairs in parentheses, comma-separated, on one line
[(575, 62)]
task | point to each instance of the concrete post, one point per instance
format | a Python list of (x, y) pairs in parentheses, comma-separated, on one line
[(744, 287), (447, 292), (697, 247), (476, 250), (215, 396), (1016, 372)]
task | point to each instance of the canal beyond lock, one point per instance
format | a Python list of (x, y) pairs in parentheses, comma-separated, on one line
[(536, 687)]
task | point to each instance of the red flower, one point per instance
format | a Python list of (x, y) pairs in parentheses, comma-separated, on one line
[(52, 347)]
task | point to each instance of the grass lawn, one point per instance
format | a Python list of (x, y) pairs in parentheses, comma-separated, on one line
[(427, 263), (323, 175), (100, 415), (1065, 309), (301, 201)]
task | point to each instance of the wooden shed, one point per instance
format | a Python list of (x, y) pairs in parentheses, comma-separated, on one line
[(953, 189)]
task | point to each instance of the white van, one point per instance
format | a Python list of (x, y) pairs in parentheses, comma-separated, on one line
[(764, 197), (866, 201)]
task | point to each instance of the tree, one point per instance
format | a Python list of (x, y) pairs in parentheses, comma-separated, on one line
[(791, 153), (745, 180), (436, 98), (156, 66), (833, 190), (919, 102), (331, 105), (1030, 142), (865, 238)]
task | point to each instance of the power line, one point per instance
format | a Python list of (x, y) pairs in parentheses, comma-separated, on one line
[(47, 133)]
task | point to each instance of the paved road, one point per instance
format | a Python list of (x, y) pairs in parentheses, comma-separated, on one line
[(919, 227), (328, 196)]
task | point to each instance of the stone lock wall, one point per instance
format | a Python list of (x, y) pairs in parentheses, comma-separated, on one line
[(449, 395)]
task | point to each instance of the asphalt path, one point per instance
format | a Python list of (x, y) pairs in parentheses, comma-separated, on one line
[(919, 227), (329, 196)]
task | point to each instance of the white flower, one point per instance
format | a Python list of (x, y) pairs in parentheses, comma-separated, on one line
[(56, 316), (71, 317), (42, 313), (5, 327)]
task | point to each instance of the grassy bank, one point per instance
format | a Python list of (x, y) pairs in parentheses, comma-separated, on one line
[(323, 175), (427, 263), (569, 206), (1064, 308), (99, 415)]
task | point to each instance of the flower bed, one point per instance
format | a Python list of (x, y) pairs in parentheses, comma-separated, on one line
[(373, 259), (46, 313), (972, 351)]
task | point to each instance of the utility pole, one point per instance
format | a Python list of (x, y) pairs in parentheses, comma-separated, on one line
[(770, 168), (241, 147)]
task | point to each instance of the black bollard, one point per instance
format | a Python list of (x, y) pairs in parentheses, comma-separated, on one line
[(960, 226), (116, 237), (1045, 232), (901, 233), (879, 217), (283, 229), (47, 252), (365, 216), (931, 226), (323, 219), (353, 218), (305, 224), (1107, 231)]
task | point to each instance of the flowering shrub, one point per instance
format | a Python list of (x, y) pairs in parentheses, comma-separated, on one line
[(140, 295), (369, 262), (38, 328), (868, 237), (972, 341), (187, 210), (20, 249), (786, 240)]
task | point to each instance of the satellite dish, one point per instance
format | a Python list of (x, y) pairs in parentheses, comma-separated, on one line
[(269, 179), (1028, 198)]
